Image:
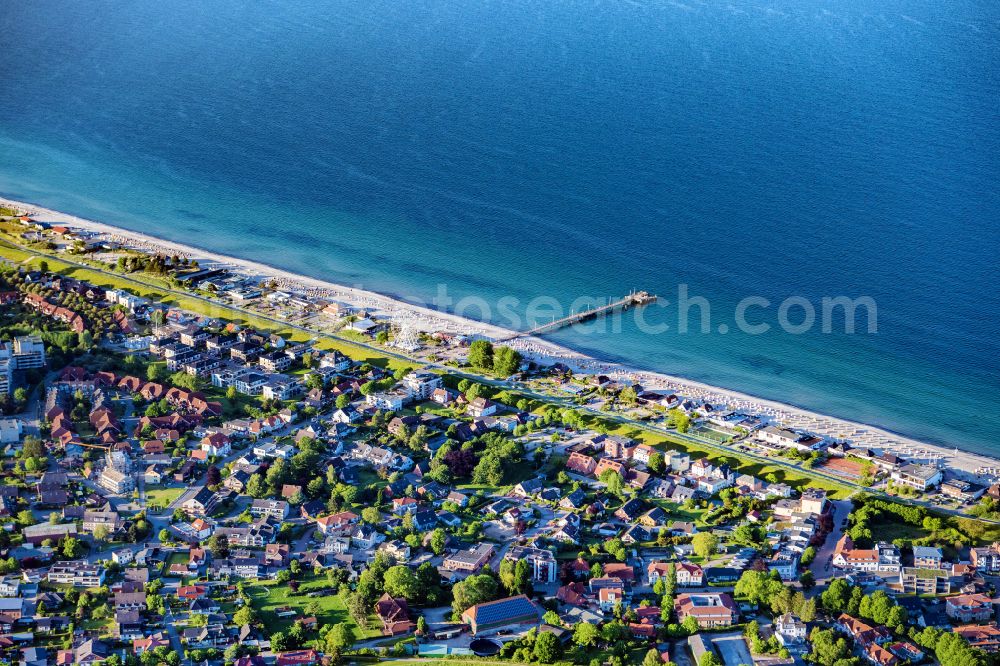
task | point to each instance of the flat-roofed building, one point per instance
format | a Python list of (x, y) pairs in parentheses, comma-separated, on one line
[(470, 560)]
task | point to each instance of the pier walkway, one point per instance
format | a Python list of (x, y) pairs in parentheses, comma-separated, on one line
[(634, 299)]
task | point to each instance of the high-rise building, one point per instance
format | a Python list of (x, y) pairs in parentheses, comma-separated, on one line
[(29, 352), (6, 370)]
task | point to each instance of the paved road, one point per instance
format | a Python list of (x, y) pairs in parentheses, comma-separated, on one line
[(821, 567)]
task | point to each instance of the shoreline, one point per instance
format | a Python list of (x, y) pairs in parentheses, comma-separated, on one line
[(544, 352)]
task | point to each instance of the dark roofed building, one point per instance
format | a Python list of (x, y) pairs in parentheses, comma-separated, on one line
[(502, 613)]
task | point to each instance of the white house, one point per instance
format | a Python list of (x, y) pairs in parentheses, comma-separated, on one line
[(790, 630), (366, 537), (422, 384), (392, 401), (789, 439), (482, 407), (920, 477), (10, 431)]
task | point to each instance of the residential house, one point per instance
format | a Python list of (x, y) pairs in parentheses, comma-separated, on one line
[(790, 631), (969, 608), (927, 557), (202, 503), (709, 609), (689, 575), (581, 464), (365, 537), (267, 508), (394, 614), (480, 407)]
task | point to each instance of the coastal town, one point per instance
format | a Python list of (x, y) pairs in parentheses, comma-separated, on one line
[(207, 467)]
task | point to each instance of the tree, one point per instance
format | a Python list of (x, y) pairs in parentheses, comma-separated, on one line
[(164, 535), (438, 541), (471, 591), (481, 355), (704, 544), (489, 471), (670, 582), (748, 535), (101, 533), (897, 618), (836, 597), (343, 400), (506, 361), (709, 659), (613, 482), (679, 420), (72, 548), (245, 616), (401, 582), (585, 634), (807, 610), (213, 477), (652, 658), (657, 465), (357, 606), (218, 545), (339, 637), (546, 648), (828, 648), (280, 642), (757, 587), (807, 580), (257, 486)]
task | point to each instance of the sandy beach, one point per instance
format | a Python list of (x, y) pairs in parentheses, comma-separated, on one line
[(542, 351)]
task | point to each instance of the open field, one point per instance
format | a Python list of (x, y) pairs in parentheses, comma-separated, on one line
[(267, 596), (163, 496)]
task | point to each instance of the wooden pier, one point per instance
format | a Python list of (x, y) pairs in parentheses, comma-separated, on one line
[(634, 299)]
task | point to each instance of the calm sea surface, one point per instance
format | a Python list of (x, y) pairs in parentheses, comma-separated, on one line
[(556, 148)]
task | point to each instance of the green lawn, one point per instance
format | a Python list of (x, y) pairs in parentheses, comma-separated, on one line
[(150, 287), (679, 512), (163, 496), (267, 596), (175, 558)]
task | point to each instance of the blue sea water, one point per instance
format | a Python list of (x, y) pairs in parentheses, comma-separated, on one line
[(767, 148)]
